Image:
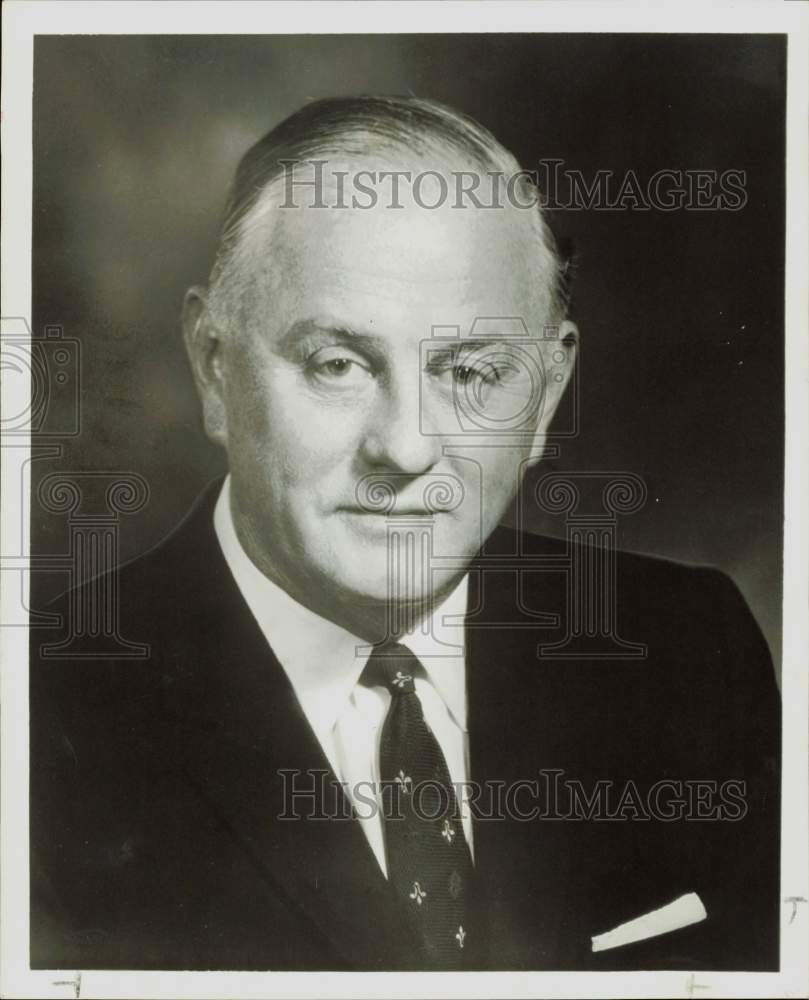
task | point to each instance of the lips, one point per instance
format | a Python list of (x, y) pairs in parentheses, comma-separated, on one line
[(397, 495), (407, 512)]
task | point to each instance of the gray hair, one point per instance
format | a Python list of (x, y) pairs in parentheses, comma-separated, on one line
[(357, 127)]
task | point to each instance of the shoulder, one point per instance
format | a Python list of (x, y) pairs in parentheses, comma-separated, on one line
[(112, 615), (107, 655), (638, 624), (640, 584)]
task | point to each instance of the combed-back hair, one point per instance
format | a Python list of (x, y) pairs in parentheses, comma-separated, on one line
[(350, 128)]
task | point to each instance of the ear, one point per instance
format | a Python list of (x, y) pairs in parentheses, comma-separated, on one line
[(204, 345), (559, 358)]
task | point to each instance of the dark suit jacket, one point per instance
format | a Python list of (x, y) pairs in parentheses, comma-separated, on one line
[(155, 785)]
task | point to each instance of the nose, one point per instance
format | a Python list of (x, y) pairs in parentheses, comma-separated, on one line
[(399, 436)]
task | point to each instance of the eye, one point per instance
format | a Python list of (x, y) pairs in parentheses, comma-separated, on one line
[(464, 374), (328, 367), (337, 366)]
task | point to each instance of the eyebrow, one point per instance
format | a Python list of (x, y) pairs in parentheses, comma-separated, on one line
[(343, 332), (450, 343), (316, 332), (326, 327)]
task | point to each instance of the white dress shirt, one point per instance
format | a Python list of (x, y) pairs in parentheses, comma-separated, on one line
[(323, 663)]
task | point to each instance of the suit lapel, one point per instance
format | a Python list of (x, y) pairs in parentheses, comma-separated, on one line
[(248, 749)]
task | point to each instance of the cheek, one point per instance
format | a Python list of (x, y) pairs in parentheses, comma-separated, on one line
[(276, 426), (494, 481)]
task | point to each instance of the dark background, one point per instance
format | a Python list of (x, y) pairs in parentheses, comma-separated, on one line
[(135, 142)]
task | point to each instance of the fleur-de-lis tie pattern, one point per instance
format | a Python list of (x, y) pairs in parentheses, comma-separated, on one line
[(429, 865)]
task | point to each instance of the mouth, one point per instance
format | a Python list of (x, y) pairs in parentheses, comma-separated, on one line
[(385, 514)]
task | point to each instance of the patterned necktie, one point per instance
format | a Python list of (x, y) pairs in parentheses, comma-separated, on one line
[(429, 865)]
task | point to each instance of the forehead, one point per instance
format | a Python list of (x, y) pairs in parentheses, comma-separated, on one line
[(445, 264)]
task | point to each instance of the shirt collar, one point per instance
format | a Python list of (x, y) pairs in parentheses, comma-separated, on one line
[(304, 641)]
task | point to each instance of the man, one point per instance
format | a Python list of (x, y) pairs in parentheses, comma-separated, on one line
[(332, 757)]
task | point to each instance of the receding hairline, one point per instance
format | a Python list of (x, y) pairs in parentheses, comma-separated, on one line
[(385, 130)]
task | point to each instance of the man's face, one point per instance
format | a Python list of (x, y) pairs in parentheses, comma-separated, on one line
[(329, 390)]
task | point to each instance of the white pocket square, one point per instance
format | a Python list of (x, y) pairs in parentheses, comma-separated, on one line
[(686, 910)]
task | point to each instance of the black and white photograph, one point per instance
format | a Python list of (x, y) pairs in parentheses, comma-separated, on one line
[(404, 477)]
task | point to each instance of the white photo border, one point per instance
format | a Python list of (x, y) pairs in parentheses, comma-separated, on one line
[(22, 21)]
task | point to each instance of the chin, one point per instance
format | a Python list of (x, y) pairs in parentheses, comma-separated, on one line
[(375, 589), (356, 566), (372, 588)]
